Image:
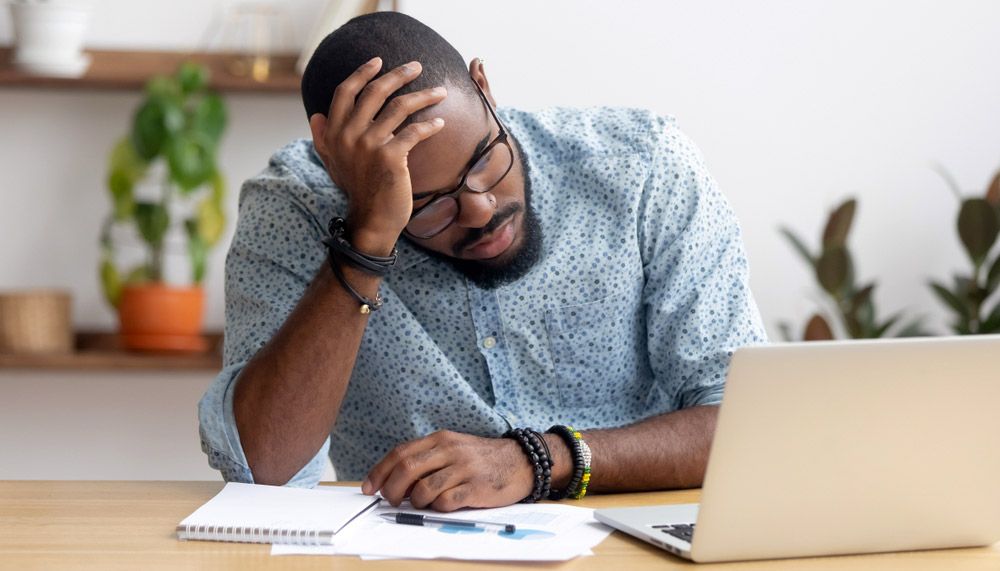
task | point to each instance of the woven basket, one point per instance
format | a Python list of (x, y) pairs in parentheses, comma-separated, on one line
[(38, 321)]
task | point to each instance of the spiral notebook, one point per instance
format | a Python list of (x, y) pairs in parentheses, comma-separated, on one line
[(252, 513)]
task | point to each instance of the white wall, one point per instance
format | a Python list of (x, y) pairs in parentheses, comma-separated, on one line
[(101, 426), (795, 104)]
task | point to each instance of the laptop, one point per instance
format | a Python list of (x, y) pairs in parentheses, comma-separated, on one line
[(845, 447)]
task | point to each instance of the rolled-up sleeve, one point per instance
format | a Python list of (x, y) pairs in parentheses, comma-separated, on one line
[(697, 298), (275, 252)]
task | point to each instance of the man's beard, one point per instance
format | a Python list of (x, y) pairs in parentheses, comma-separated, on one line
[(493, 273)]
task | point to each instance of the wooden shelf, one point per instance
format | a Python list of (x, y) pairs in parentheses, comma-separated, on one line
[(129, 71), (102, 351)]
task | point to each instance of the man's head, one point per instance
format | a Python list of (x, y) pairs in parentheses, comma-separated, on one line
[(501, 216)]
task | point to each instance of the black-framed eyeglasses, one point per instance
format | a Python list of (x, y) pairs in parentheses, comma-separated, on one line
[(487, 169)]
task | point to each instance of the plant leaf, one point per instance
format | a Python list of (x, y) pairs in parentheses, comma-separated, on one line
[(817, 329), (839, 225), (125, 168), (951, 300), (993, 191), (138, 275), (192, 77), (785, 329), (209, 117), (854, 327), (913, 329), (152, 220), (111, 282), (798, 245), (197, 250), (191, 159), (155, 122), (993, 277), (833, 269), (884, 327), (978, 226), (165, 87), (992, 322), (949, 180), (861, 297), (121, 186), (211, 221)]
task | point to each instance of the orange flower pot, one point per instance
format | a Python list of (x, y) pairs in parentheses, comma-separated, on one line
[(160, 317)]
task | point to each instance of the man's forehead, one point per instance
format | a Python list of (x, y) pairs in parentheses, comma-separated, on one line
[(436, 162)]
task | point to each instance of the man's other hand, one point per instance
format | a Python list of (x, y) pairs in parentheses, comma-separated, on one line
[(447, 471)]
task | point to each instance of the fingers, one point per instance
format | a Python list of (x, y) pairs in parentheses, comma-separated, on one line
[(434, 484), (409, 136), (455, 498), (346, 93), (374, 94), (408, 472), (400, 108), (380, 472)]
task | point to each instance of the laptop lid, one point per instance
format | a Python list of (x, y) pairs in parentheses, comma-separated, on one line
[(852, 447)]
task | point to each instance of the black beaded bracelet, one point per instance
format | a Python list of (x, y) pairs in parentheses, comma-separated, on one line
[(576, 452), (537, 451)]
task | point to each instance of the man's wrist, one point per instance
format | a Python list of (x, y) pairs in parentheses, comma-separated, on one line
[(371, 242)]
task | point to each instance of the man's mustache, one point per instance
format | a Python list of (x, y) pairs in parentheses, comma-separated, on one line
[(476, 234)]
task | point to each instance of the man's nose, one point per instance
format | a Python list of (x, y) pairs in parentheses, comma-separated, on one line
[(475, 209)]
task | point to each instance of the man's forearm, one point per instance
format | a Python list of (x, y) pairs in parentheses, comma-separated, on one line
[(663, 452), (288, 396)]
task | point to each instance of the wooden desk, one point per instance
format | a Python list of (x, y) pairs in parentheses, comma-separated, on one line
[(130, 525)]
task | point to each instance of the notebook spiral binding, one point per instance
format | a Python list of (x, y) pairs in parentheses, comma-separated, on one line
[(247, 534)]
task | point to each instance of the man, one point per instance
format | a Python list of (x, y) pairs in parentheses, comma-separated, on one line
[(567, 267)]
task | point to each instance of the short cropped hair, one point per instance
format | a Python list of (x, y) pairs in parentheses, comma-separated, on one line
[(397, 39)]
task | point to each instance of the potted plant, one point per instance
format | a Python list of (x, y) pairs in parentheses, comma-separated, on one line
[(176, 129), (852, 304), (978, 225)]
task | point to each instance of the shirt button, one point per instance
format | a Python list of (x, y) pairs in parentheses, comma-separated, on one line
[(489, 342)]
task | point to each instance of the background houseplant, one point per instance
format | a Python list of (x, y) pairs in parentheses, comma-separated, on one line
[(851, 304), (978, 225), (179, 125)]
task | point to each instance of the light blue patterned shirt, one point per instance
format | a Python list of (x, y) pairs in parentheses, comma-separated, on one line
[(634, 309)]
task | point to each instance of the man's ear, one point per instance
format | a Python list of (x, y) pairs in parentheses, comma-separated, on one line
[(317, 126), (479, 76)]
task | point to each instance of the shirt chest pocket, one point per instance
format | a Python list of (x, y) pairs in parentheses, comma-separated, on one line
[(596, 350)]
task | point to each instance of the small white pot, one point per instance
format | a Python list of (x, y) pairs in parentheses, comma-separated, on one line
[(49, 36)]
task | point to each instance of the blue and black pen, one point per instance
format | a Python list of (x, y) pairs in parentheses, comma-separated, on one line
[(419, 519)]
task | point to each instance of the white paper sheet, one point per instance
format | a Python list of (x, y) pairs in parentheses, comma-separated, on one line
[(545, 532)]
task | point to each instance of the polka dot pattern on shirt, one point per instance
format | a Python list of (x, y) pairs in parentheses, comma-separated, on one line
[(634, 309)]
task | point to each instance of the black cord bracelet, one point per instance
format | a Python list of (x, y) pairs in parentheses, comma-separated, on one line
[(536, 450), (576, 451), (337, 243), (367, 305)]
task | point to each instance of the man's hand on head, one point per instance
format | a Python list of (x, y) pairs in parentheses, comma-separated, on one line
[(447, 471), (364, 154)]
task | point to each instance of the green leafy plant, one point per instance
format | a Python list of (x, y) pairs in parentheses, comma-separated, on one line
[(978, 226), (834, 270), (180, 123)]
